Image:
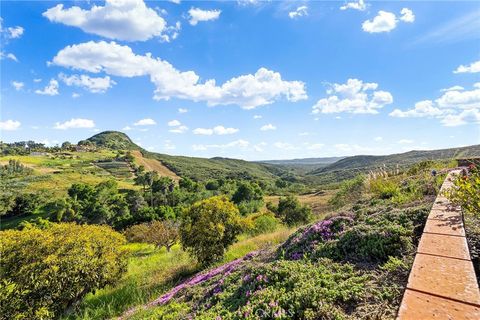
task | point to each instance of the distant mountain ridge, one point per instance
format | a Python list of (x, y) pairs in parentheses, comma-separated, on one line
[(304, 161), (363, 162)]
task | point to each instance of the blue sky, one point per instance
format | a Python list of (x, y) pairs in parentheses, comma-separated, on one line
[(247, 79)]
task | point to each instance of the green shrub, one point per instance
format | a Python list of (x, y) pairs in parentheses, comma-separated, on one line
[(247, 207), (350, 192), (46, 271), (291, 212), (384, 188), (264, 223), (283, 290), (466, 192), (364, 243), (209, 227), (371, 235)]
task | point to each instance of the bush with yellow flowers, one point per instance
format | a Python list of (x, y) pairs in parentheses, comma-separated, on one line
[(45, 271)]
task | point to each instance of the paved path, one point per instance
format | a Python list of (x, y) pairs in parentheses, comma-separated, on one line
[(442, 282)]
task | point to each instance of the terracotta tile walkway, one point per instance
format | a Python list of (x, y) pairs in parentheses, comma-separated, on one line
[(442, 283)]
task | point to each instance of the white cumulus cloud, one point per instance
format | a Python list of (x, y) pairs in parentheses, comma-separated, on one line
[(50, 90), (182, 110), (355, 5), (299, 12), (94, 85), (75, 123), (128, 20), (456, 106), (473, 67), (268, 127), (145, 122), (464, 117), (248, 91), (15, 32), (355, 96), (9, 125), (453, 88), (179, 129), (425, 108), (383, 22), (197, 15), (218, 130), (18, 85), (386, 21), (407, 15), (10, 56), (173, 123)]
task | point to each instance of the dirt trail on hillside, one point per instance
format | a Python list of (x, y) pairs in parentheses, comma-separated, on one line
[(154, 165)]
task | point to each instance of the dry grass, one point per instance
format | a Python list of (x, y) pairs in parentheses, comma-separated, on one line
[(154, 165), (317, 201)]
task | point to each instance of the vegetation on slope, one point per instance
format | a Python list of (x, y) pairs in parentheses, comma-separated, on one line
[(112, 140), (401, 159), (352, 265)]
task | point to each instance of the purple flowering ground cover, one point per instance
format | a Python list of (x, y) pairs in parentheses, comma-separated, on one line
[(352, 265)]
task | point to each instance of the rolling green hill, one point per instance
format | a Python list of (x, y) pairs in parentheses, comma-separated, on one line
[(195, 168), (401, 159), (214, 168), (113, 140), (349, 167)]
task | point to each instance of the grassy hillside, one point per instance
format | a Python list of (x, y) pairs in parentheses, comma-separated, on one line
[(401, 159), (56, 172), (203, 169), (304, 161), (113, 140), (351, 166), (200, 169)]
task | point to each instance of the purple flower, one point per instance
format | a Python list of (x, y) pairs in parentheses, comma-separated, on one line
[(202, 277), (296, 256), (273, 304)]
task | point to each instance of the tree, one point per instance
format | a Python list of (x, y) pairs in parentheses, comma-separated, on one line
[(163, 185), (135, 202), (209, 227), (159, 233), (61, 210), (291, 212), (67, 146), (102, 204), (140, 180), (188, 184), (25, 204), (247, 192)]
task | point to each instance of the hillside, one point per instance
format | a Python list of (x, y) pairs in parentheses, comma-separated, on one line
[(304, 161), (113, 140), (350, 166), (203, 169), (192, 167), (153, 165)]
